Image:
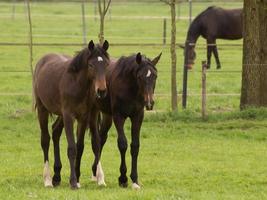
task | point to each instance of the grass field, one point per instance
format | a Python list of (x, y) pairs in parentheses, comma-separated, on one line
[(181, 156)]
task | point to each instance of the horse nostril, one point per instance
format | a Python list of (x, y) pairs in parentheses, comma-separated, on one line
[(149, 105), (101, 93)]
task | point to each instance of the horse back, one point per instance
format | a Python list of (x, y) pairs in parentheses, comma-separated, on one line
[(48, 73), (222, 23)]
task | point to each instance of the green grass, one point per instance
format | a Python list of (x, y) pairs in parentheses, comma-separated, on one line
[(181, 155)]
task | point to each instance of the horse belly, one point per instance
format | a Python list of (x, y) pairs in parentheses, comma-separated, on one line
[(47, 90)]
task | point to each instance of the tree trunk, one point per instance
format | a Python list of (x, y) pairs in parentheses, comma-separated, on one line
[(101, 31), (254, 75), (173, 56)]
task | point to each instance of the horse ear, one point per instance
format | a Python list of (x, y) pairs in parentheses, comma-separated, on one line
[(156, 60), (138, 58), (105, 45), (181, 46), (91, 45)]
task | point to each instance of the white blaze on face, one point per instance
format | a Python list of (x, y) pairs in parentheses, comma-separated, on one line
[(148, 73), (99, 59)]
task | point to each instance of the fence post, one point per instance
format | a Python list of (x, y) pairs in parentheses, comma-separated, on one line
[(204, 92), (190, 11), (30, 47), (179, 10), (13, 9), (164, 30), (185, 75), (84, 23), (109, 11)]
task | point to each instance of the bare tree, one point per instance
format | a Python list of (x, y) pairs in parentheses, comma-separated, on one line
[(172, 5), (254, 75), (103, 9)]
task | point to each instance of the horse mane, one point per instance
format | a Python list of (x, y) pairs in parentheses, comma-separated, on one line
[(79, 61), (126, 65), (195, 27)]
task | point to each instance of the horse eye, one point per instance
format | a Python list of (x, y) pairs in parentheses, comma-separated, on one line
[(91, 66)]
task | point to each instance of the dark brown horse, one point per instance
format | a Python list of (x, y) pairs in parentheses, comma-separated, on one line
[(213, 23), (67, 87), (131, 82)]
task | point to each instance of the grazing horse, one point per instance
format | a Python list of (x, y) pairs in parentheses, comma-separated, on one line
[(67, 87), (211, 24), (131, 82)]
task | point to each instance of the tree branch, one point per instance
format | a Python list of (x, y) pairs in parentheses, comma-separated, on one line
[(166, 1), (106, 9), (99, 7)]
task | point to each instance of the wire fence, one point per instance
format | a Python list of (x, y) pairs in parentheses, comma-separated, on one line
[(56, 33)]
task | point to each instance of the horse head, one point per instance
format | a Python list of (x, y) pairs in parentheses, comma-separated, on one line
[(146, 78), (189, 53), (98, 62), (95, 60)]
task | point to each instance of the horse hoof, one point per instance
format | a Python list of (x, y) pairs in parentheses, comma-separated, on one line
[(101, 183), (123, 185), (74, 187), (56, 181), (219, 67), (100, 175), (79, 185), (73, 184), (46, 175), (123, 182), (48, 183), (93, 178), (135, 186)]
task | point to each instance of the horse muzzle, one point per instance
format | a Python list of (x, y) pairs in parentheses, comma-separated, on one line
[(149, 105), (190, 66), (101, 93)]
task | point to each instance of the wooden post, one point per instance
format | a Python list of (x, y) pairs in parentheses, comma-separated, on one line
[(179, 10), (190, 11), (13, 9), (84, 23), (185, 75), (30, 47), (204, 67), (109, 12), (164, 30)]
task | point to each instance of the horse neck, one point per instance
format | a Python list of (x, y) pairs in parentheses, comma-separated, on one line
[(194, 32), (83, 80)]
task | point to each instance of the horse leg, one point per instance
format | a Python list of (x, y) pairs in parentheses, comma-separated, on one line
[(98, 174), (209, 51), (104, 128), (122, 145), (216, 55), (45, 140), (72, 151), (80, 146), (57, 131), (135, 133)]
